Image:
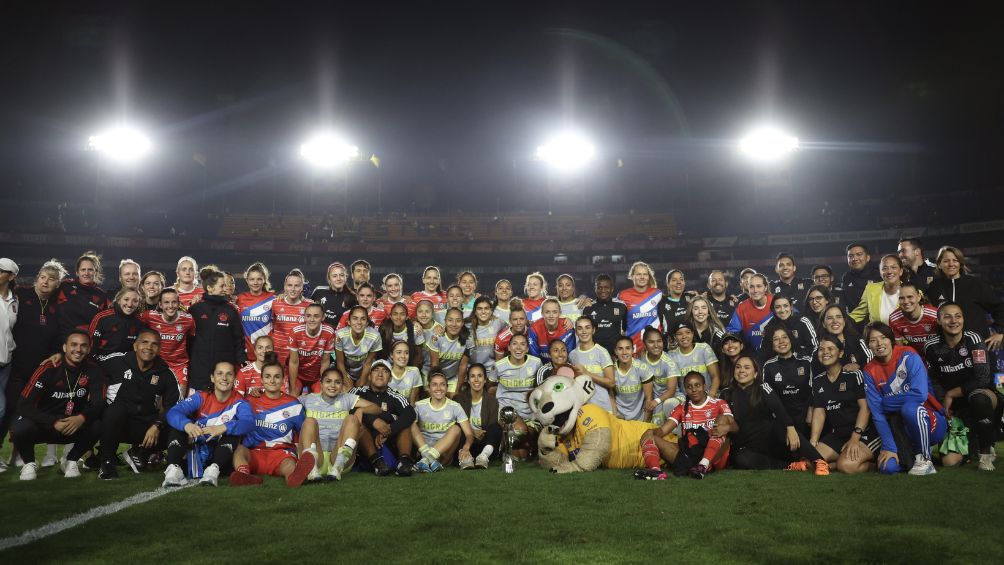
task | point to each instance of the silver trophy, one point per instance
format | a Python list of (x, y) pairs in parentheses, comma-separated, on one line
[(507, 418)]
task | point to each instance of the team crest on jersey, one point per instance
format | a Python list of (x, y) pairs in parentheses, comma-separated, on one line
[(842, 387), (794, 333), (177, 328), (617, 311), (285, 413), (777, 377), (963, 351), (223, 317), (95, 298), (383, 406), (127, 375), (82, 381), (801, 371), (154, 379)]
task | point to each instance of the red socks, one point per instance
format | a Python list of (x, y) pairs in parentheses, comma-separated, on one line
[(714, 446), (650, 453)]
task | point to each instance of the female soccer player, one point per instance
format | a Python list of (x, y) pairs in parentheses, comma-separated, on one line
[(673, 306), (914, 322), (881, 298), (816, 300), (337, 297), (440, 428), (535, 290), (897, 387), (952, 282), (642, 302), (454, 299), (310, 347), (366, 297), (270, 447), (559, 359), (567, 299), (699, 357), (708, 327), (356, 346), (287, 313), (665, 377), (697, 419), (187, 283), (469, 286), (432, 290), (338, 432), (790, 375), (449, 351), (129, 272), (485, 327), (517, 375), (255, 305), (841, 431), (151, 285), (590, 359), (482, 408), (763, 435), (502, 298), (80, 298), (206, 428), (518, 325), (397, 327), (218, 334), (802, 333), (404, 378), (115, 329), (176, 329), (430, 329), (550, 326), (249, 377), (962, 379), (634, 383), (393, 293), (855, 354)]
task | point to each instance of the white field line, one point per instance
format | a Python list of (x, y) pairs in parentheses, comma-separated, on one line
[(73, 521)]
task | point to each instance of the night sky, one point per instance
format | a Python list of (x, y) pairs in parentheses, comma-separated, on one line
[(453, 97)]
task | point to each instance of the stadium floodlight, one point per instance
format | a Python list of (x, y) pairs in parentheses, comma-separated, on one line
[(122, 144), (327, 151), (567, 151), (767, 144)]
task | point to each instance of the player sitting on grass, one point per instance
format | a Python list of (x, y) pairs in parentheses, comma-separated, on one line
[(483, 409), (331, 408), (437, 429), (206, 428), (269, 448), (696, 417)]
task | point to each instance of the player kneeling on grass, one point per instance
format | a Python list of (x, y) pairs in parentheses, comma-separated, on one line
[(331, 408), (440, 426), (701, 439), (270, 448), (60, 404), (207, 427)]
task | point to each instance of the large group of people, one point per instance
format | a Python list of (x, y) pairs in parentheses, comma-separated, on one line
[(892, 370)]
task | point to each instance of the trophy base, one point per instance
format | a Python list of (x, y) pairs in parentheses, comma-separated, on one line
[(508, 464)]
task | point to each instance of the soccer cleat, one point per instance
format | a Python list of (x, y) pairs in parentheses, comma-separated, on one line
[(314, 475), (800, 466), (91, 463), (239, 479), (175, 477), (422, 467), (108, 471), (71, 469), (3, 466), (822, 468), (49, 460), (29, 472), (481, 462), (303, 466), (987, 462), (133, 459), (335, 472), (210, 476), (467, 463), (922, 466), (650, 475), (435, 466), (698, 472), (404, 467), (381, 468)]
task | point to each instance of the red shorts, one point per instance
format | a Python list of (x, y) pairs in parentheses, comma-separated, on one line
[(267, 461), (180, 374), (308, 386)]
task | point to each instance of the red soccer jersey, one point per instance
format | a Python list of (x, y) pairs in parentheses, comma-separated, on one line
[(438, 299), (311, 349), (187, 298), (700, 416), (502, 341), (377, 316), (250, 377), (173, 335), (914, 333), (387, 306), (285, 317)]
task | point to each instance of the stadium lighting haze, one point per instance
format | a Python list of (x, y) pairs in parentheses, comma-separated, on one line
[(567, 151), (767, 144), (327, 151), (122, 144)]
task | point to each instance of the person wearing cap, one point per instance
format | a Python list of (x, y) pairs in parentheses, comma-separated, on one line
[(744, 283), (8, 317), (388, 434), (691, 356)]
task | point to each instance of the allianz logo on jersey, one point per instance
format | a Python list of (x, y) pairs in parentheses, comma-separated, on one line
[(251, 318), (289, 318), (281, 426), (172, 337), (638, 315)]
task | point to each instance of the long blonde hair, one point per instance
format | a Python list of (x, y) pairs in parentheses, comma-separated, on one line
[(652, 282)]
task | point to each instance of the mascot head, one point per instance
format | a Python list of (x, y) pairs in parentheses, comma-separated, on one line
[(556, 402)]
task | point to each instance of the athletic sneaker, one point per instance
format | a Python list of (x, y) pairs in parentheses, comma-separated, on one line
[(314, 475), (108, 471), (19, 462), (481, 462), (822, 468), (987, 462), (133, 459), (404, 465), (3, 466), (29, 472), (303, 466), (422, 467), (381, 468), (922, 466), (49, 460), (467, 463), (650, 475), (91, 463), (175, 477), (698, 472), (71, 469), (210, 475), (435, 466), (239, 479), (335, 473), (800, 466)]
